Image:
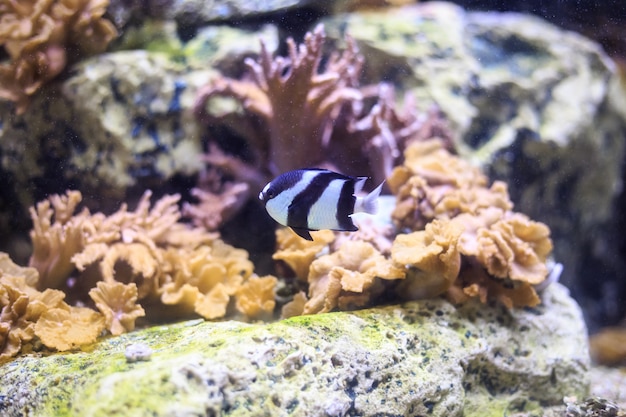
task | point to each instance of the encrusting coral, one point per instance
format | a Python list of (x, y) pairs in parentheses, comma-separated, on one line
[(42, 36)]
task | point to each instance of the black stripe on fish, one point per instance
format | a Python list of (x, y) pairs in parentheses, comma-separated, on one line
[(345, 206), (287, 181), (300, 207)]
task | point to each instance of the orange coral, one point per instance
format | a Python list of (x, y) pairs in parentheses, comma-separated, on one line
[(204, 280), (256, 296), (608, 346), (118, 303), (506, 252), (37, 34), (23, 306), (348, 278), (431, 257), (148, 247), (67, 328), (55, 242), (433, 183), (299, 253)]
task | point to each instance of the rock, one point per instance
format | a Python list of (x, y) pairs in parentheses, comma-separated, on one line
[(421, 358), (119, 120), (531, 104)]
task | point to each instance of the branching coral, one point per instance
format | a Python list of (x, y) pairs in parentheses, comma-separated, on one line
[(131, 256), (41, 36), (322, 108), (215, 208), (295, 100)]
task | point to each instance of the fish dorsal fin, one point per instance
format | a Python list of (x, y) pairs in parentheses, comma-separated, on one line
[(303, 233), (359, 184), (369, 203)]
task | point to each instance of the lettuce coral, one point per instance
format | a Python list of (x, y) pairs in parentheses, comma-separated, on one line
[(118, 304), (299, 253), (204, 279), (504, 252), (27, 313), (348, 278), (41, 36), (457, 237)]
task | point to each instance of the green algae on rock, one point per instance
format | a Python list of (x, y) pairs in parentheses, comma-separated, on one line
[(420, 358), (533, 104)]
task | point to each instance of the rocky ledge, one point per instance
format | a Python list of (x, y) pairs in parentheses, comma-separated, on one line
[(420, 358)]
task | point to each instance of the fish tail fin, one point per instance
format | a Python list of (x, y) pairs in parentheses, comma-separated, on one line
[(369, 203)]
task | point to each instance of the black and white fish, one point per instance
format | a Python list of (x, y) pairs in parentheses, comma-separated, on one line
[(315, 199)]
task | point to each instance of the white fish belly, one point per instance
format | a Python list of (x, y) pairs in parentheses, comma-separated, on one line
[(323, 214)]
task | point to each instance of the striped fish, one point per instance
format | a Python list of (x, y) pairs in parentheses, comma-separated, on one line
[(315, 199)]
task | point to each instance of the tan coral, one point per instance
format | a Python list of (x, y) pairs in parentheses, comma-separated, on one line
[(370, 231), (295, 307), (299, 253), (37, 35), (118, 304), (475, 282), (608, 346), (204, 280), (433, 183), (126, 246), (21, 305), (506, 251), (514, 247), (70, 327), (56, 238), (348, 278), (256, 296), (128, 263), (431, 257)]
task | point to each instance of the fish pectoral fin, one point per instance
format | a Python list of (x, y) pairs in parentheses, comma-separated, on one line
[(303, 233)]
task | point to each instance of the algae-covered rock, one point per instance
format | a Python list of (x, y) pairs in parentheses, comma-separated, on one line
[(421, 358), (118, 120), (532, 104)]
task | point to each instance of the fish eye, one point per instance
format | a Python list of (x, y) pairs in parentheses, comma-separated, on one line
[(269, 194)]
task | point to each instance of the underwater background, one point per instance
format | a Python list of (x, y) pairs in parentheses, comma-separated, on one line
[(141, 275)]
